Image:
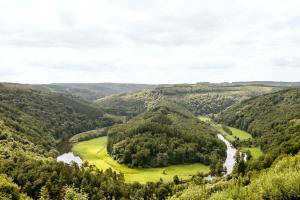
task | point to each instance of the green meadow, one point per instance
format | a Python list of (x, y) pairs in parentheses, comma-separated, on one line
[(255, 151), (94, 151), (236, 133)]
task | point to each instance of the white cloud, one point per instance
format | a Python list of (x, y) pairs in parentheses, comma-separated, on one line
[(159, 41)]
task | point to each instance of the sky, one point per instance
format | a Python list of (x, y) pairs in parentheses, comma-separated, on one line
[(153, 41)]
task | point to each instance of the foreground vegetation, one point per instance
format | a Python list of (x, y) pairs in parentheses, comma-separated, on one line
[(281, 181), (94, 151)]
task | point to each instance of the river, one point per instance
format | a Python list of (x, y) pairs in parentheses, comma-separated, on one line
[(231, 151), (69, 158)]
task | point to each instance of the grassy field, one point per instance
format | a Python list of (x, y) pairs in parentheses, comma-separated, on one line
[(94, 151), (236, 133), (255, 151), (242, 135)]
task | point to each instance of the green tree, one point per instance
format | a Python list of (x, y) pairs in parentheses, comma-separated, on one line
[(71, 193)]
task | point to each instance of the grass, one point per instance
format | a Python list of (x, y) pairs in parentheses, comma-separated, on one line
[(236, 133), (94, 151), (242, 135), (255, 151), (205, 118)]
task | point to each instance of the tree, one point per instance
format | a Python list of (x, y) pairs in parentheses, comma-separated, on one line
[(44, 193), (176, 180), (71, 193)]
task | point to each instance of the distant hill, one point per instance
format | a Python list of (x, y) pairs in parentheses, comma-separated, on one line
[(200, 99), (269, 83), (93, 91)]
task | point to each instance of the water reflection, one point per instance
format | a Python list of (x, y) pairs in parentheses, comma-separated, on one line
[(68, 158)]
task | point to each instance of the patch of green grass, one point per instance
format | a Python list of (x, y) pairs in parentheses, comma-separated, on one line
[(255, 151), (236, 133), (227, 136), (242, 135), (205, 118), (95, 152)]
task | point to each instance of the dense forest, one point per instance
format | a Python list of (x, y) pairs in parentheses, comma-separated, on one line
[(200, 99), (163, 136), (92, 91)]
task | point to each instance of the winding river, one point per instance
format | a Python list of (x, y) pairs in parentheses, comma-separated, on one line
[(231, 151)]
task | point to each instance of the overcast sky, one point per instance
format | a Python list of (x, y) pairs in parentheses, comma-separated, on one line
[(153, 41)]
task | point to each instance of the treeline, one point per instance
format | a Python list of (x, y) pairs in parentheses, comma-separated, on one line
[(199, 99), (51, 179), (164, 136)]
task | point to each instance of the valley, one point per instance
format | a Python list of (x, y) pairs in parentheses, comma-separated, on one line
[(95, 152), (150, 143)]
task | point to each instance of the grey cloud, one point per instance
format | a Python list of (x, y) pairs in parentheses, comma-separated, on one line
[(90, 66), (70, 38), (290, 23), (8, 71), (210, 65), (286, 62)]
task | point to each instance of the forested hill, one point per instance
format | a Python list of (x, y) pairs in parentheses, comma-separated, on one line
[(40, 116), (201, 99), (93, 91), (165, 135), (273, 119)]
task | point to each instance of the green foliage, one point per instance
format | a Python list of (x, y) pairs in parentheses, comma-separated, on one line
[(88, 135), (40, 117), (272, 119), (162, 136), (93, 91), (200, 99), (44, 194), (9, 190), (281, 181), (72, 193)]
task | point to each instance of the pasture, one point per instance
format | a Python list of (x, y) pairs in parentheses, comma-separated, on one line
[(94, 151)]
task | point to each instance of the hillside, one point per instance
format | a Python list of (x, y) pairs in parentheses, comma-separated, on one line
[(200, 99), (93, 91), (164, 135), (272, 119), (42, 117), (281, 181)]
